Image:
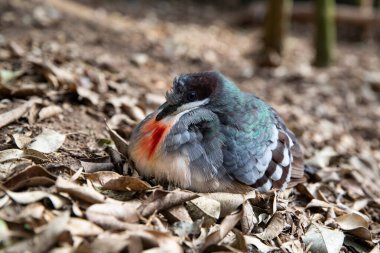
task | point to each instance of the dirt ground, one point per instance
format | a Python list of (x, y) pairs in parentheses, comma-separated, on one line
[(81, 64)]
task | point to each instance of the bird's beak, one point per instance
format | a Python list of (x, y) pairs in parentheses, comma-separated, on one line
[(166, 110)]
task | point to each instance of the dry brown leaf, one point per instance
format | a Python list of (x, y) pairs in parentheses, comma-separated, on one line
[(154, 100), (110, 222), (260, 246), (229, 202), (84, 193), (14, 114), (81, 227), (31, 176), (135, 112), (92, 96), (109, 180), (274, 228), (125, 212), (319, 203), (352, 221), (249, 219), (10, 154), (164, 241), (320, 239), (355, 224), (106, 242), (34, 196), (49, 111), (226, 226), (322, 157), (177, 213), (9, 167), (98, 164), (162, 200), (43, 241), (238, 242), (21, 140), (208, 206), (48, 141), (28, 214), (120, 143)]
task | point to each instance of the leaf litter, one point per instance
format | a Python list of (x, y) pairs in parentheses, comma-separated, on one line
[(62, 190)]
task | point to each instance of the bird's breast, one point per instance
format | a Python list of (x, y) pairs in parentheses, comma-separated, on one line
[(150, 157)]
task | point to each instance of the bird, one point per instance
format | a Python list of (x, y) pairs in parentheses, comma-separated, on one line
[(209, 136)]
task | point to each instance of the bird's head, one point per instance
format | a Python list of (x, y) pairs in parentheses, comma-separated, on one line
[(194, 90)]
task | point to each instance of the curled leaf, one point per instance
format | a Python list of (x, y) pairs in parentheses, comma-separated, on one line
[(320, 239), (355, 224), (226, 226)]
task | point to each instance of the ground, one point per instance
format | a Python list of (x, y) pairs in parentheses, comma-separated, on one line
[(72, 66)]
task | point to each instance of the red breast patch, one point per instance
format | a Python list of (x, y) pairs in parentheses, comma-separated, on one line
[(154, 132)]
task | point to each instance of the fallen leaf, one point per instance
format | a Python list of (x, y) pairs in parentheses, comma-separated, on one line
[(322, 157), (21, 140), (125, 212), (260, 246), (355, 224), (109, 180), (154, 100), (93, 167), (48, 141), (134, 112), (249, 219), (162, 200), (165, 241), (208, 206), (34, 196), (120, 143), (4, 232), (45, 240), (10, 167), (49, 111), (237, 241), (274, 228), (226, 226), (10, 154), (351, 221), (320, 239), (229, 202), (106, 242), (82, 227), (84, 193), (16, 154), (177, 213), (13, 115), (32, 215), (92, 96), (31, 176), (34, 155)]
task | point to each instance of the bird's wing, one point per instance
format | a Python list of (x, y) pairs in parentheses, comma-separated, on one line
[(260, 152), (197, 134)]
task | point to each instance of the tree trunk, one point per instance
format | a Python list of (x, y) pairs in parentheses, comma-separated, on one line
[(275, 29), (325, 32)]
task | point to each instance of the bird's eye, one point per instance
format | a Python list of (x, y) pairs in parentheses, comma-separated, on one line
[(191, 96)]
